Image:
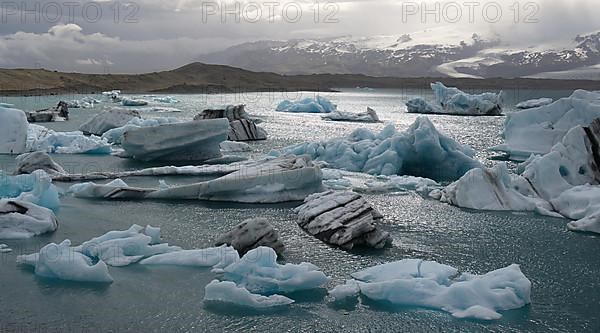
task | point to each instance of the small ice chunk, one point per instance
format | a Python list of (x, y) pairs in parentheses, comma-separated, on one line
[(228, 292), (534, 103), (216, 257), (343, 291), (4, 248), (234, 147)]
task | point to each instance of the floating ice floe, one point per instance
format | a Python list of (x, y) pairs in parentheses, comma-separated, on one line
[(367, 117), (29, 162), (58, 113), (250, 234), (187, 141), (319, 104), (133, 102), (259, 272), (234, 147), (115, 135), (40, 138), (453, 101), (559, 183), (36, 188), (419, 151), (344, 219), (282, 179), (108, 120), (85, 103), (13, 131), (215, 257), (228, 292), (5, 249), (535, 131), (413, 282), (61, 261), (534, 103), (21, 219), (165, 99), (241, 126)]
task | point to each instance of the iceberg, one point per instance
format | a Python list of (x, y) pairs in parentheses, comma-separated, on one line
[(310, 105), (113, 95), (368, 117), (58, 113), (250, 234), (61, 261), (5, 249), (534, 103), (165, 99), (107, 120), (344, 219), (133, 102), (115, 135), (241, 126), (419, 151), (581, 204), (259, 272), (21, 219), (287, 178), (413, 282), (234, 147), (40, 138), (455, 102), (536, 131), (341, 292), (13, 131), (188, 141), (400, 184), (30, 162), (215, 257), (36, 188), (228, 292), (85, 103)]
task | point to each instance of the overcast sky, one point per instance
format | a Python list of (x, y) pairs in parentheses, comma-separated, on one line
[(152, 35)]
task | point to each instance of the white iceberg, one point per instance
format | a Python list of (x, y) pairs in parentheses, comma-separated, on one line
[(36, 188), (432, 285), (234, 147), (287, 178), (250, 234), (61, 261), (165, 99), (40, 138), (400, 184), (581, 204), (194, 140), (259, 272), (22, 219), (419, 151), (341, 292), (115, 135), (5, 249), (133, 102), (108, 120), (367, 117), (534, 103), (310, 105), (228, 292), (453, 101), (535, 131), (344, 219), (13, 131), (215, 257)]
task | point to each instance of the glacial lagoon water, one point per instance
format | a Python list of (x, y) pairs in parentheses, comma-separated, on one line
[(563, 266)]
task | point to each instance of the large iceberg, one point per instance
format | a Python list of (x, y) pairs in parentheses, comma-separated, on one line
[(453, 101), (319, 104), (535, 131), (228, 292), (534, 103), (419, 151), (344, 219), (36, 188), (13, 131), (187, 141), (413, 282), (115, 135), (21, 219), (259, 272), (108, 120), (287, 178), (61, 261), (367, 117), (563, 182), (40, 138)]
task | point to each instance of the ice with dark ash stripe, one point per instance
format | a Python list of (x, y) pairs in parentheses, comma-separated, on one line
[(252, 234), (344, 219), (241, 126)]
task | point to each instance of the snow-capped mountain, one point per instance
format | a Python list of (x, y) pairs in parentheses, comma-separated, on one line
[(427, 53)]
